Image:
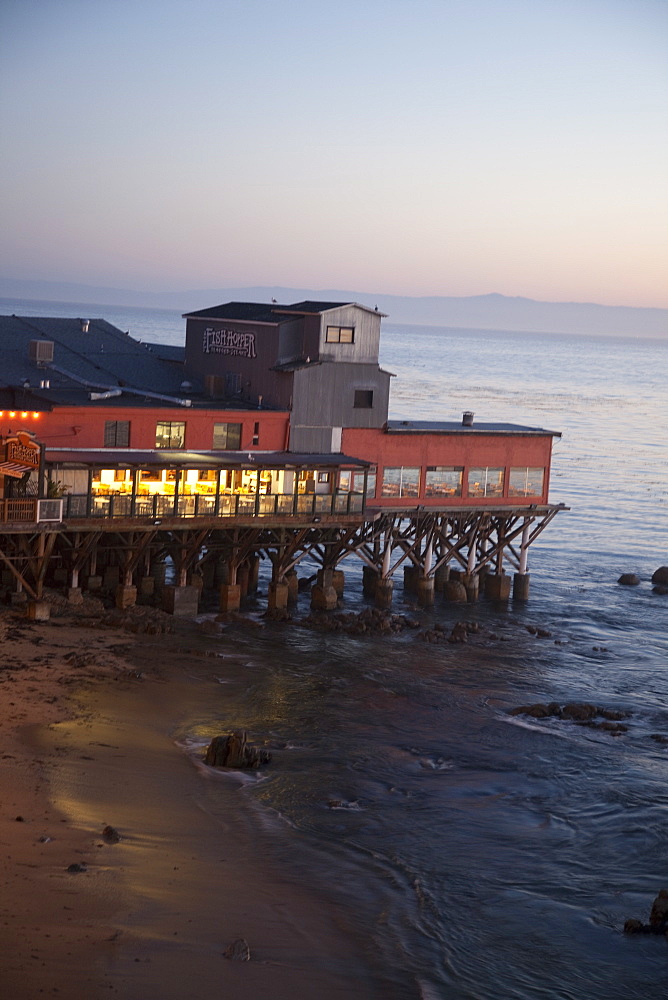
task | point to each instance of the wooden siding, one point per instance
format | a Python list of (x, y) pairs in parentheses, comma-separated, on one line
[(325, 394), (256, 377), (367, 336)]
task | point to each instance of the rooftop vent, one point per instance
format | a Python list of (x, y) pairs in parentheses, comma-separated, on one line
[(467, 419), (41, 351), (85, 325)]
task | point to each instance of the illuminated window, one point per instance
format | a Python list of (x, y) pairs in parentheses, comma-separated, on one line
[(526, 482), (444, 481), (227, 437), (116, 433), (401, 481), (485, 482), (340, 334), (170, 434)]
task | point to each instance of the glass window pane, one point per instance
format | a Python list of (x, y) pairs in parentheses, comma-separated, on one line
[(444, 481), (485, 481), (391, 482), (227, 437), (346, 335), (526, 482), (170, 434), (401, 481)]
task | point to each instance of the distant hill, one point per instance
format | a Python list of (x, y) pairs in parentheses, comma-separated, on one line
[(482, 312)]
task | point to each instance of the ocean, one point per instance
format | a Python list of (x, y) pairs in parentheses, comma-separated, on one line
[(476, 854)]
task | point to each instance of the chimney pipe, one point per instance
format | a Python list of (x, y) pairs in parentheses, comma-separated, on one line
[(467, 419), (85, 323)]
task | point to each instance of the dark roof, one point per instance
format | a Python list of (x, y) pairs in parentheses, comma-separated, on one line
[(98, 358), (100, 361), (269, 312), (456, 427), (309, 306), (168, 458), (247, 312)]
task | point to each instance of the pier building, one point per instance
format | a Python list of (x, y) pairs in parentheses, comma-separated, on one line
[(267, 435)]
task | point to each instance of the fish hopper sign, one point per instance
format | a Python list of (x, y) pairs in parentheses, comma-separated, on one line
[(20, 455)]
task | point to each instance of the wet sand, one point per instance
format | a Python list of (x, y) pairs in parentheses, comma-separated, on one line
[(86, 722)]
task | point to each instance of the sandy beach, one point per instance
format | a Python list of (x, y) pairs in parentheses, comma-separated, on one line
[(87, 714)]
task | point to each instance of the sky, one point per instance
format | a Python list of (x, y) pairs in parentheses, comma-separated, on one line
[(411, 147)]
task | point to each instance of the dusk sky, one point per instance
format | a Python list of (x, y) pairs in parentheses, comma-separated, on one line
[(411, 147)]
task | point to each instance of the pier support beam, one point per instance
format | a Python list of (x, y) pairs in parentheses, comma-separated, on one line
[(126, 596), (253, 573), (323, 594), (278, 596), (497, 586), (38, 611), (370, 579), (441, 577), (229, 597), (521, 586), (243, 578), (425, 591), (471, 582), (292, 581), (182, 601), (383, 594)]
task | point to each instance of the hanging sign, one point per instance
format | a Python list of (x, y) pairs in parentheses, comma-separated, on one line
[(241, 345), (21, 454)]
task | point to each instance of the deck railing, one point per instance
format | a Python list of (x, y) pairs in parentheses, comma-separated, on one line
[(199, 505), (18, 509)]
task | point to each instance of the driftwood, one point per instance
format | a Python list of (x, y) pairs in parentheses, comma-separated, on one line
[(234, 751)]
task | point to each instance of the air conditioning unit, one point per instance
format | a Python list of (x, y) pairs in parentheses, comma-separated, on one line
[(41, 351)]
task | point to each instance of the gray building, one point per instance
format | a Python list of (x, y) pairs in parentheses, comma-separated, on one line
[(319, 360)]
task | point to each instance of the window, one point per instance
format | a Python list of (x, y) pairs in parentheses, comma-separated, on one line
[(340, 334), (444, 481), (116, 433), (363, 399), (401, 481), (485, 482), (170, 434), (232, 383), (526, 482), (256, 433), (227, 437), (358, 483)]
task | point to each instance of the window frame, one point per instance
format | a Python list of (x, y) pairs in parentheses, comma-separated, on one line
[(227, 446), (363, 394), (111, 429), (333, 334), (171, 424), (403, 482), (528, 472), (431, 490), (486, 480)]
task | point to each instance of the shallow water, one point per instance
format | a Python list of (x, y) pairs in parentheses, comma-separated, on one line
[(476, 854)]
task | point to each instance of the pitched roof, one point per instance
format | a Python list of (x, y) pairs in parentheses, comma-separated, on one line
[(92, 359), (270, 312)]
